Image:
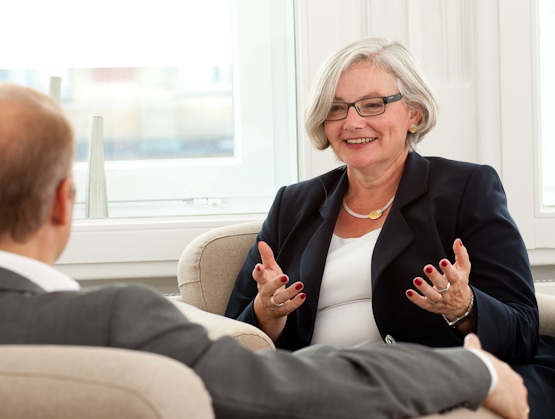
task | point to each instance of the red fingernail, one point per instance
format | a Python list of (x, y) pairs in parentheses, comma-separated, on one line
[(429, 270), (298, 286), (418, 281), (409, 293), (303, 296), (283, 279), (460, 242), (443, 263), (258, 268)]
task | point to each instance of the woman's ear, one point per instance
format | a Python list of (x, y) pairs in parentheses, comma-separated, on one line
[(415, 115)]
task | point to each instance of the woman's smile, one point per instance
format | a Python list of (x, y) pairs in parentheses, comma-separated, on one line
[(361, 140)]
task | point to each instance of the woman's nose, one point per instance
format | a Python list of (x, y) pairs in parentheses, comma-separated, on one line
[(353, 119)]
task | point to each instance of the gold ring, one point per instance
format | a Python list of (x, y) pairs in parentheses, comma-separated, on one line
[(444, 289), (274, 302)]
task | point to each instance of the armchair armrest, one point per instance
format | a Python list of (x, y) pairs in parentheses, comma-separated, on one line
[(218, 326)]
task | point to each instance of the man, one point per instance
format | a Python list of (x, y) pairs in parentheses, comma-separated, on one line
[(39, 305)]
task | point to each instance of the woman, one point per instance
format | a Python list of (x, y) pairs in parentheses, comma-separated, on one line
[(360, 244)]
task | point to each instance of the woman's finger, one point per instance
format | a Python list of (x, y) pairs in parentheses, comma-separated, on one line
[(267, 255), (440, 282), (462, 259), (268, 269)]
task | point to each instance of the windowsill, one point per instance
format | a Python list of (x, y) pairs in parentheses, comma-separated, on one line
[(138, 248), (542, 257)]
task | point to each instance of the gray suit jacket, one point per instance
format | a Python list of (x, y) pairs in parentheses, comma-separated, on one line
[(317, 382)]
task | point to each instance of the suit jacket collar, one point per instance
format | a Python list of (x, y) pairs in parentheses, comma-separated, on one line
[(42, 274), (10, 281)]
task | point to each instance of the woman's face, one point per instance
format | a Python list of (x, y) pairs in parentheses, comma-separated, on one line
[(371, 142)]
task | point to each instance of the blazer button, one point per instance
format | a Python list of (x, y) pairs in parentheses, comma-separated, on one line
[(389, 340)]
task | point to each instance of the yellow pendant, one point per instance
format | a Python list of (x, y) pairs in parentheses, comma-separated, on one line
[(374, 215)]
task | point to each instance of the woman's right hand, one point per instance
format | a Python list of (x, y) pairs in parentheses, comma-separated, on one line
[(274, 301)]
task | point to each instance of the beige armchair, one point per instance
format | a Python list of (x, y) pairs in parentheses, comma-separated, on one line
[(58, 382), (68, 382), (209, 265)]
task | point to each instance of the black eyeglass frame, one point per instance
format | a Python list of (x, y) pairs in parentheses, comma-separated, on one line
[(386, 99)]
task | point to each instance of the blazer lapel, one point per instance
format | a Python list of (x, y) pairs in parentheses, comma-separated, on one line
[(396, 234)]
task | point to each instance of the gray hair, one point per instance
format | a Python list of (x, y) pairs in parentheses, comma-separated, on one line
[(390, 56)]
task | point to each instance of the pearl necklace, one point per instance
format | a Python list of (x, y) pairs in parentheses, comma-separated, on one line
[(374, 215)]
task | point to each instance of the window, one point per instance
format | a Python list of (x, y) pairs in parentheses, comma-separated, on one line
[(197, 98)]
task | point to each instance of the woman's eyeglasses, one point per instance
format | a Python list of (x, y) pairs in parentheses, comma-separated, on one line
[(371, 106)]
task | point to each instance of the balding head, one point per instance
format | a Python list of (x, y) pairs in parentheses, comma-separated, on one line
[(36, 154)]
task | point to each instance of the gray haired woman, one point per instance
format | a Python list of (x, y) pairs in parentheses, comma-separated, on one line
[(379, 250)]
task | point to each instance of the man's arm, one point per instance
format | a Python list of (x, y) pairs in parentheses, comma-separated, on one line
[(323, 382), (316, 382)]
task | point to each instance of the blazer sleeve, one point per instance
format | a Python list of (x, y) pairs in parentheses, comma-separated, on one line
[(382, 382), (240, 305), (508, 319)]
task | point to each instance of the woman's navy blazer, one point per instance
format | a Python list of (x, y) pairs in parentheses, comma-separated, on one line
[(437, 201)]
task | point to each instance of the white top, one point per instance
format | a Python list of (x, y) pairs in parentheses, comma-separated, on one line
[(345, 317), (43, 275)]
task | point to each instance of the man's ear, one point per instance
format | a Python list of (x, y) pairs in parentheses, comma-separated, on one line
[(63, 203)]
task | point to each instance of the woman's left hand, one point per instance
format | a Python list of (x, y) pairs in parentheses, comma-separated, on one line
[(449, 294)]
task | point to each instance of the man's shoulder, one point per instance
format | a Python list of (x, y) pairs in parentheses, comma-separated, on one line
[(119, 293), (108, 302)]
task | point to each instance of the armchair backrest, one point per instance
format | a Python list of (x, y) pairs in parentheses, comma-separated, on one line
[(209, 265)]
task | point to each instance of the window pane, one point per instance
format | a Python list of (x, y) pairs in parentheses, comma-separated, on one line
[(547, 106), (197, 98), (148, 112)]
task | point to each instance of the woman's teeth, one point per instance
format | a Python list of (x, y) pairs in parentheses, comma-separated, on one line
[(360, 140)]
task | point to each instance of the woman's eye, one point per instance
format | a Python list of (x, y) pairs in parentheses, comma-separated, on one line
[(371, 105), (337, 108)]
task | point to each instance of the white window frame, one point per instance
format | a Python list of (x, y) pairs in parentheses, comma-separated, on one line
[(520, 122)]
